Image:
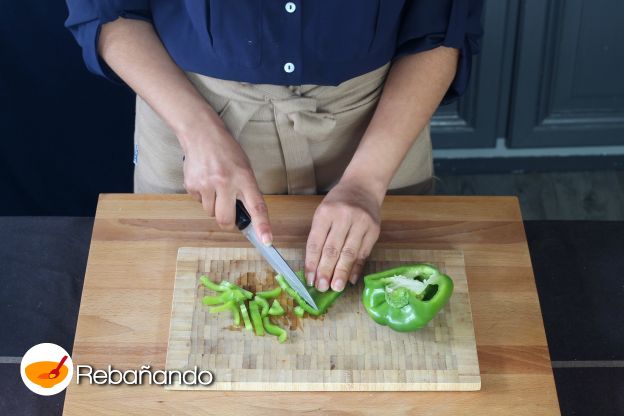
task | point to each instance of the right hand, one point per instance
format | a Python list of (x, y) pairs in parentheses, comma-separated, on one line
[(217, 172)]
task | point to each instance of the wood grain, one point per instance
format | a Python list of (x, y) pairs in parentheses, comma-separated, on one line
[(342, 351), (126, 306)]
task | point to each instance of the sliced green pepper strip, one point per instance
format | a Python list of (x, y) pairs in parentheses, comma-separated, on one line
[(226, 296), (323, 300), (276, 309), (284, 285), (231, 306), (212, 300), (256, 319), (221, 308), (217, 287), (264, 304), (229, 285), (275, 330), (270, 294), (246, 319), (406, 298), (299, 311)]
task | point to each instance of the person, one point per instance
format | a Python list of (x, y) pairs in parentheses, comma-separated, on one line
[(236, 99)]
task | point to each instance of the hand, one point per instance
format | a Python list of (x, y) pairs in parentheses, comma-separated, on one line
[(344, 230), (217, 172)]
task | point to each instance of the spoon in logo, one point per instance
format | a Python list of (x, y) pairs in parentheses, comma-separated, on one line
[(54, 373)]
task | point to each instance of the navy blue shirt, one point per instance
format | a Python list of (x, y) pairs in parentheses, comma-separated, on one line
[(293, 42)]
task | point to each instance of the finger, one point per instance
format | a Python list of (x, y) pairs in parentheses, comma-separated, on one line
[(225, 209), (358, 266), (368, 242), (207, 199), (348, 256), (321, 224), (254, 202), (330, 253)]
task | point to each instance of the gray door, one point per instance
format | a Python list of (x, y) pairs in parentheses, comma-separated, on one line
[(551, 73)]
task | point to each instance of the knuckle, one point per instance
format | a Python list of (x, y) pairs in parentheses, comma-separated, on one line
[(348, 253), (344, 210), (324, 209), (203, 184), (259, 207), (330, 251), (312, 248), (217, 181)]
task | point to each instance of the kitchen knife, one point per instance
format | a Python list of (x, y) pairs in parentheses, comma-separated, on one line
[(270, 254)]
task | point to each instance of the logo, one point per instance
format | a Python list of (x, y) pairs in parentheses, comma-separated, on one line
[(46, 369)]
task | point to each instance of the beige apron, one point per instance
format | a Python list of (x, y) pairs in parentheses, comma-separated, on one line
[(299, 139)]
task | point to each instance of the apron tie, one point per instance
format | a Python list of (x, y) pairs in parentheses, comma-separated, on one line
[(296, 119)]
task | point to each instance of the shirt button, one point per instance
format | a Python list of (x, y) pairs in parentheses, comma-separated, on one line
[(290, 7), (289, 67)]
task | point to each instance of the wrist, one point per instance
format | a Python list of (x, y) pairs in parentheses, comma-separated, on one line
[(192, 129), (375, 186)]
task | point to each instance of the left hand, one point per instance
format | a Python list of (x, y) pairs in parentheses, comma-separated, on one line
[(344, 230)]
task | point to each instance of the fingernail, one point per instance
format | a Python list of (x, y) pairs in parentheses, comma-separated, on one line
[(353, 279), (310, 278), (267, 240), (322, 284), (338, 285)]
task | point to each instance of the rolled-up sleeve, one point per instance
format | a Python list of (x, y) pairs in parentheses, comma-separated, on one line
[(85, 19), (427, 24)]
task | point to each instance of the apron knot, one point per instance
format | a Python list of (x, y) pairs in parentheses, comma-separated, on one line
[(303, 113)]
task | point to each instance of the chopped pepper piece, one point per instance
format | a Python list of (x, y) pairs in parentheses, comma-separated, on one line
[(212, 300), (262, 303), (270, 294), (217, 287), (231, 306), (323, 300), (256, 318), (276, 309), (406, 298), (229, 285), (299, 311), (275, 330), (245, 314)]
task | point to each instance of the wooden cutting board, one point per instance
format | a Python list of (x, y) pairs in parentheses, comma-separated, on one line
[(343, 350)]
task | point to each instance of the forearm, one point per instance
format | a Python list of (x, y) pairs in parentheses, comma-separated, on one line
[(414, 88), (133, 50)]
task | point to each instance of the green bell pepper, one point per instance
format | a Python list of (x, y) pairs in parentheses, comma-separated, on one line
[(231, 306), (263, 304), (275, 330), (256, 318), (245, 315), (299, 312), (406, 298), (323, 300), (269, 294), (276, 309)]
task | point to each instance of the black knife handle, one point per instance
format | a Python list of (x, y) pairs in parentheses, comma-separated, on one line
[(242, 216)]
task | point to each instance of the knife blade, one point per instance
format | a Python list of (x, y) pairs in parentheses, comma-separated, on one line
[(270, 253)]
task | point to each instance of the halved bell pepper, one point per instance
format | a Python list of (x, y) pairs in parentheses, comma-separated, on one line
[(406, 298)]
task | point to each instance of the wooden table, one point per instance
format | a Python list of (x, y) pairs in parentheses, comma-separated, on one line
[(126, 304)]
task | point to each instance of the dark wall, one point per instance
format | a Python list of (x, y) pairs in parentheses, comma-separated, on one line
[(65, 134)]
